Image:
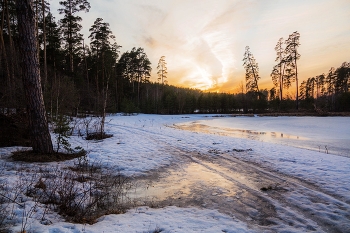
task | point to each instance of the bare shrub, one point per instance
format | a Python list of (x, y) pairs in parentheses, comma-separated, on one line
[(87, 121), (81, 194), (75, 123), (4, 204), (94, 128), (11, 197)]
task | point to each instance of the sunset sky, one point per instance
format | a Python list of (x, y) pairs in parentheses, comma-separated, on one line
[(203, 41)]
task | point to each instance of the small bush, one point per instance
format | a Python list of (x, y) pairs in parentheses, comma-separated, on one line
[(4, 202), (128, 107), (62, 131), (82, 193), (98, 136)]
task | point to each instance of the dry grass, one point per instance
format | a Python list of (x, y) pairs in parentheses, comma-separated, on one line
[(80, 193), (98, 136), (31, 156)]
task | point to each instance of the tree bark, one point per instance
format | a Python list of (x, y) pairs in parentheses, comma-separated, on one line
[(12, 55), (40, 136), (4, 54), (44, 40), (296, 81)]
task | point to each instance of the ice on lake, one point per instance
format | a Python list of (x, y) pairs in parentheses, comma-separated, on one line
[(324, 134)]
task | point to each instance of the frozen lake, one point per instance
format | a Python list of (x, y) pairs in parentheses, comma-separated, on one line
[(324, 134)]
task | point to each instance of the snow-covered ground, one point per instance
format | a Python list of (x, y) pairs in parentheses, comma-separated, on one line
[(306, 190)]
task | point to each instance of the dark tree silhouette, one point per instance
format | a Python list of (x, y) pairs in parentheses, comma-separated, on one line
[(136, 68), (106, 55), (251, 71), (40, 136), (162, 70), (71, 27), (278, 70), (292, 55)]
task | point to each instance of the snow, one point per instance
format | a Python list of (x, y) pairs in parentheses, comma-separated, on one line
[(144, 143), (144, 219)]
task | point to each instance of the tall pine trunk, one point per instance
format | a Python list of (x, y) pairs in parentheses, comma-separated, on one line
[(40, 136), (297, 87), (4, 54), (44, 40), (11, 56)]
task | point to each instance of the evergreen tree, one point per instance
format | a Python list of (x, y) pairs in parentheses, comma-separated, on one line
[(42, 7), (252, 71), (71, 27), (292, 55), (136, 68), (41, 140), (105, 54), (162, 70), (342, 78), (330, 82), (278, 70), (53, 41)]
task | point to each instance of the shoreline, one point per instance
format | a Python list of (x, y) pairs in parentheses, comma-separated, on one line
[(296, 114)]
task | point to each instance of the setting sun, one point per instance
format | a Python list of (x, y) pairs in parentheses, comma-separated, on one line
[(175, 116), (213, 34), (204, 78)]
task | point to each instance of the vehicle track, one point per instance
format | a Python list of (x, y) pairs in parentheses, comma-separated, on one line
[(266, 199), (287, 193)]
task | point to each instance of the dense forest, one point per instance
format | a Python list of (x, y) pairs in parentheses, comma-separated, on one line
[(79, 76)]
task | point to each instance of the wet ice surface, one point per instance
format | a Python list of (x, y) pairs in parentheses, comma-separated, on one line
[(262, 198), (323, 134), (217, 183)]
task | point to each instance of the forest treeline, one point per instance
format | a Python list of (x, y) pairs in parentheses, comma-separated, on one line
[(80, 76)]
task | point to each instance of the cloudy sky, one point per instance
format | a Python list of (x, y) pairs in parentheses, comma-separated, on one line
[(203, 41)]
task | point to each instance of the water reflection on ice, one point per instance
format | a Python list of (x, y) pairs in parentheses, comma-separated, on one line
[(326, 135), (184, 182)]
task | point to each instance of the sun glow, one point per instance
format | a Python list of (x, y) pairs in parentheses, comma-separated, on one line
[(204, 41), (204, 78)]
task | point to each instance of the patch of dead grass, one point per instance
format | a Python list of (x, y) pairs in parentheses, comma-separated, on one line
[(31, 156)]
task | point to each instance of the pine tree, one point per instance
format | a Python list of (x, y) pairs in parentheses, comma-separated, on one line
[(106, 55), (162, 70), (135, 67), (41, 140), (292, 55), (278, 70), (71, 27), (252, 71)]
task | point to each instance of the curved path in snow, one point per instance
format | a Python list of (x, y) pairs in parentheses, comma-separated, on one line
[(257, 193)]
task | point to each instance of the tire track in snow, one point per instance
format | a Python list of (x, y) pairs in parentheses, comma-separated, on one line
[(275, 219), (306, 203)]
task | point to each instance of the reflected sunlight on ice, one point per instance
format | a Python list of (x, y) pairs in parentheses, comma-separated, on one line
[(323, 134)]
